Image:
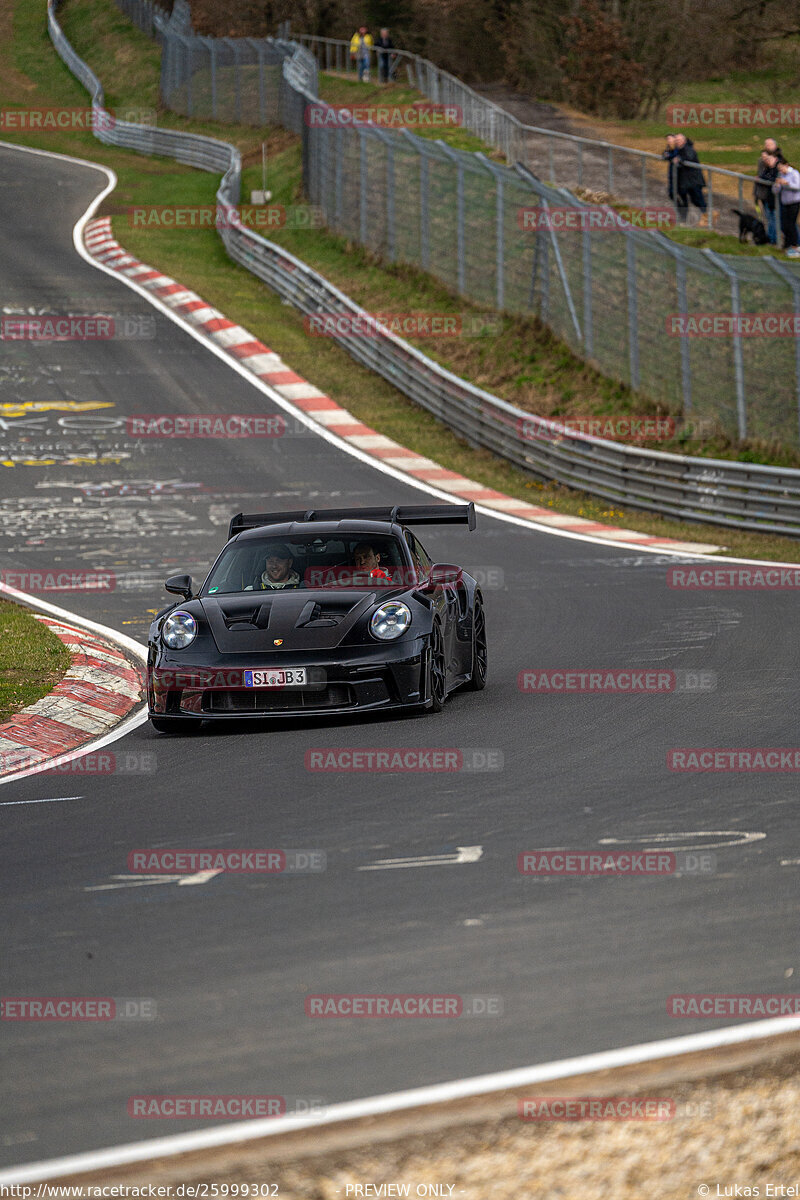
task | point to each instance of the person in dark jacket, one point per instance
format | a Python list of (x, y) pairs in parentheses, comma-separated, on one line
[(383, 45), (690, 181), (669, 154), (763, 195)]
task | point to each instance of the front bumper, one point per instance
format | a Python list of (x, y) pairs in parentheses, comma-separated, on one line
[(384, 677)]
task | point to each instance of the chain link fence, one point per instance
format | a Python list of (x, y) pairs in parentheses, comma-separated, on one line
[(562, 159), (618, 297), (501, 237)]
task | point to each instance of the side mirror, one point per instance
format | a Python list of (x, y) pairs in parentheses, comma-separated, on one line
[(445, 573), (180, 585)]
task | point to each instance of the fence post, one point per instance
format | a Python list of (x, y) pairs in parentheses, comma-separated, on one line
[(738, 354), (500, 243), (683, 306), (424, 211), (544, 267), (460, 232), (588, 324), (187, 42), (644, 181), (237, 71), (362, 205), (338, 185), (535, 186), (262, 93), (633, 314), (461, 248), (794, 284), (390, 210), (499, 228), (212, 43), (610, 169)]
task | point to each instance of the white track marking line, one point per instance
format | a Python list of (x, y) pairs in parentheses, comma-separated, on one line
[(132, 881), (353, 1110), (129, 881), (463, 854), (198, 877), (49, 800), (741, 838)]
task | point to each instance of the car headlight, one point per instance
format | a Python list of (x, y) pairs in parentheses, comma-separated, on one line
[(179, 630), (390, 621)]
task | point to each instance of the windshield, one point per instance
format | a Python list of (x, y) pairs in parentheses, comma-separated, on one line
[(340, 560)]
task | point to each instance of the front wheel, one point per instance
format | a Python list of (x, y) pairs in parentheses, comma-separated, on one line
[(177, 725), (437, 670), (480, 649)]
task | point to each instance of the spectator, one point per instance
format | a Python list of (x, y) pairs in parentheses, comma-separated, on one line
[(385, 66), (690, 181), (787, 185), (360, 50), (669, 155), (763, 194)]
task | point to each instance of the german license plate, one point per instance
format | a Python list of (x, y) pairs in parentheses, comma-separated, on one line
[(286, 677)]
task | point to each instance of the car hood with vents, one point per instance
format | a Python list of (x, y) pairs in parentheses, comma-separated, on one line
[(289, 620)]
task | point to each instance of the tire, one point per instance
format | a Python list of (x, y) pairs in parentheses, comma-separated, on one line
[(176, 725), (437, 670), (480, 650)]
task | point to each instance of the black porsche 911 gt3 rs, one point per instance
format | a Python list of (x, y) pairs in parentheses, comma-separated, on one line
[(319, 612)]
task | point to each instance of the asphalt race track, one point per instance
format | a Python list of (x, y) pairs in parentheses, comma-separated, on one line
[(581, 965)]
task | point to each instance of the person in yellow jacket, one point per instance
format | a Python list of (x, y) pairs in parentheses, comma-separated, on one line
[(360, 50)]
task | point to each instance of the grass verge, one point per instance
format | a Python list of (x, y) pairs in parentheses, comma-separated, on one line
[(540, 373), (32, 659)]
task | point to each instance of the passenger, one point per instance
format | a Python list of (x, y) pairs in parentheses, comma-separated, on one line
[(278, 570)]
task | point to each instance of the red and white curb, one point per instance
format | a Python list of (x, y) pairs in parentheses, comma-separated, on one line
[(100, 689), (268, 366)]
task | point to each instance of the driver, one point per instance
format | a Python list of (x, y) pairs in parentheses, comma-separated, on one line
[(278, 570), (365, 559)]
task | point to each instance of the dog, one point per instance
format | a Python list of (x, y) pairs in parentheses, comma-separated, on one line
[(752, 225)]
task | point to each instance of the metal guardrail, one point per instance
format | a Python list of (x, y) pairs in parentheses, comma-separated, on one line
[(747, 496)]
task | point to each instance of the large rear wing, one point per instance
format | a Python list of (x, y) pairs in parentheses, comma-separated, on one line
[(403, 514)]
